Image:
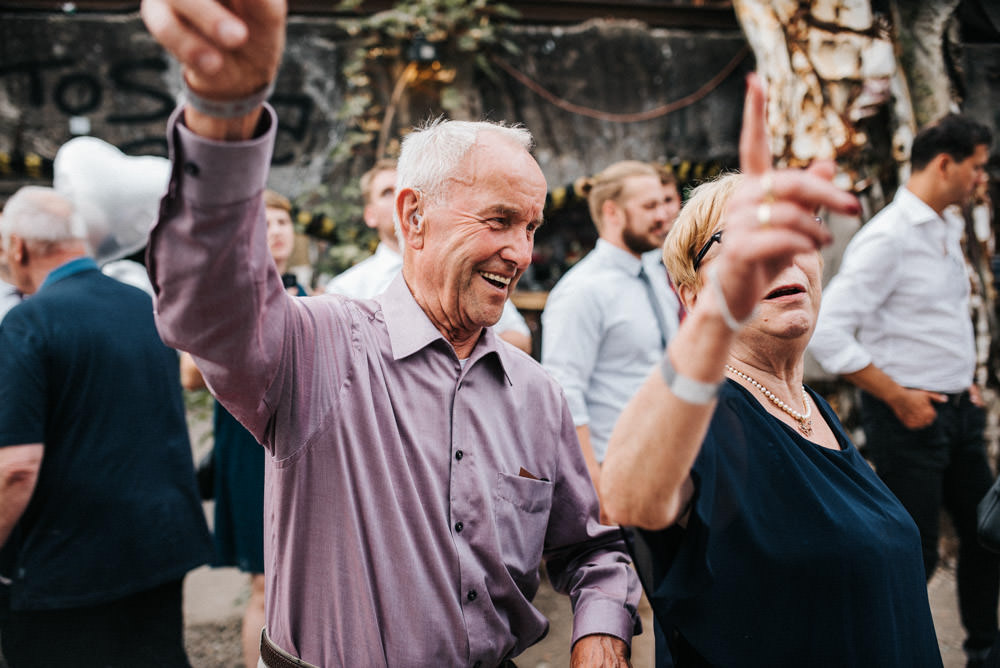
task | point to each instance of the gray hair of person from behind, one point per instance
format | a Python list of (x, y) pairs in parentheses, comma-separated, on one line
[(431, 154), (954, 134), (41, 215)]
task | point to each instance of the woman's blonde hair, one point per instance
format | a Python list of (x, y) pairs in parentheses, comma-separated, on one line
[(699, 219)]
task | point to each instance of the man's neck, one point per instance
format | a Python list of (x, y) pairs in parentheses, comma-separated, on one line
[(924, 187), (618, 242), (42, 267)]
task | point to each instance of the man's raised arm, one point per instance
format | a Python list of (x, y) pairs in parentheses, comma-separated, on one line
[(218, 295)]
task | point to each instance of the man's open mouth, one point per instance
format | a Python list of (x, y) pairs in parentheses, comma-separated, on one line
[(496, 279)]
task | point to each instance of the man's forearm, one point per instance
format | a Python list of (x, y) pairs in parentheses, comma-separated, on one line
[(19, 467), (873, 380)]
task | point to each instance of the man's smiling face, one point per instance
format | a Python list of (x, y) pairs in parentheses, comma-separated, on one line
[(478, 235)]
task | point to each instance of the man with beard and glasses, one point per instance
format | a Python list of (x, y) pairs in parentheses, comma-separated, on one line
[(609, 319)]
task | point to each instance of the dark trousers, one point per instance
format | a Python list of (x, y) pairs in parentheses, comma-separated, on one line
[(942, 466), (144, 629)]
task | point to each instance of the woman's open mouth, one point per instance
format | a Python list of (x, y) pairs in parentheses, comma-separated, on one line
[(785, 291)]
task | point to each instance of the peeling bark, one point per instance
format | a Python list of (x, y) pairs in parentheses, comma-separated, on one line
[(828, 66)]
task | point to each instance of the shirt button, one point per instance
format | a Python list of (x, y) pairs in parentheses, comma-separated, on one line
[(459, 455), (471, 595), (191, 169), (459, 526)]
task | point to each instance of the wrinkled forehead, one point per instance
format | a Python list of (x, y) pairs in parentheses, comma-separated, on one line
[(495, 160)]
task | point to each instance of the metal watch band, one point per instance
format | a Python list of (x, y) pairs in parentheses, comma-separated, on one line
[(687, 389)]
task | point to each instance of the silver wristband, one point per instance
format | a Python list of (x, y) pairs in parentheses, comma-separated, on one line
[(687, 389), (227, 108)]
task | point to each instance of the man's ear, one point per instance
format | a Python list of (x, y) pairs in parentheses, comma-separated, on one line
[(610, 213), (942, 162), (369, 216), (18, 250), (410, 218)]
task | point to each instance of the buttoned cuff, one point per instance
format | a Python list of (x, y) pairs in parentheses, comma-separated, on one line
[(605, 617), (220, 173)]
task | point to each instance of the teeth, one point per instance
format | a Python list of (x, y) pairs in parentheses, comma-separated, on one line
[(496, 277)]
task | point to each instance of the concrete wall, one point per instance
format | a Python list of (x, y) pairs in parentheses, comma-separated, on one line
[(102, 74)]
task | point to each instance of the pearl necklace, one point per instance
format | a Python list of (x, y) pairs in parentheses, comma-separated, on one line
[(804, 419)]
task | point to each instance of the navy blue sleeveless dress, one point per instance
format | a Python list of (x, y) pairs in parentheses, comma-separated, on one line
[(793, 555)]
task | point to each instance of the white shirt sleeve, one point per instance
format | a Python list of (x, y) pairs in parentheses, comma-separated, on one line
[(864, 282)]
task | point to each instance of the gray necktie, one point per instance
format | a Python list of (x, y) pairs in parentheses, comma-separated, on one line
[(655, 303)]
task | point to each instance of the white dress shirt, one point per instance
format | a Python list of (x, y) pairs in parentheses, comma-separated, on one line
[(373, 275), (9, 298), (901, 301), (600, 335)]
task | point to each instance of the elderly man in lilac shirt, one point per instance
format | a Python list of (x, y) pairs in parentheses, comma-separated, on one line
[(419, 468)]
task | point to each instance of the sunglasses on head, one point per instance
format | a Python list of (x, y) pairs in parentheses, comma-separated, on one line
[(714, 239), (717, 239)]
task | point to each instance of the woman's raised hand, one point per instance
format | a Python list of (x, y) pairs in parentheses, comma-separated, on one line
[(772, 215)]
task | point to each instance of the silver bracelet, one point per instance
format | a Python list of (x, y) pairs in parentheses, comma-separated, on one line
[(713, 281), (687, 389), (227, 108)]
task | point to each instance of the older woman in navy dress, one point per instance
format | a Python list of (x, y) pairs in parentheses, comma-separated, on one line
[(768, 540)]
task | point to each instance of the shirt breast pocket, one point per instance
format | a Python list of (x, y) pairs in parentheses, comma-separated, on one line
[(521, 510)]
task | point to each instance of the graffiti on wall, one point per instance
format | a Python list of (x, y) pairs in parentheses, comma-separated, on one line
[(129, 100)]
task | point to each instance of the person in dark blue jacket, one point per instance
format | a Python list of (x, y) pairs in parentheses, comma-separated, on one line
[(100, 518)]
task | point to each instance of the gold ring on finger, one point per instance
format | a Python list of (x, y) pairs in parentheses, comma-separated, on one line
[(764, 214), (767, 186)]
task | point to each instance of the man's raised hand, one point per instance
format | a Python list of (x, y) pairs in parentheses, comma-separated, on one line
[(229, 49)]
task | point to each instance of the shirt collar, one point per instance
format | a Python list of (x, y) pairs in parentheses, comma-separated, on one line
[(915, 210), (67, 269), (410, 330), (618, 257)]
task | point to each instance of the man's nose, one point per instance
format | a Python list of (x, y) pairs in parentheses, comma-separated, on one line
[(518, 248)]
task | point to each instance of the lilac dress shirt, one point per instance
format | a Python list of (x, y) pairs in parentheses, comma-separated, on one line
[(399, 528)]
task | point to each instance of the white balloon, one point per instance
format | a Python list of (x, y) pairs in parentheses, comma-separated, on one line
[(117, 195)]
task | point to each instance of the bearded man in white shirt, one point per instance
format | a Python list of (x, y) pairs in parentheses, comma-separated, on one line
[(895, 322), (373, 275), (609, 318)]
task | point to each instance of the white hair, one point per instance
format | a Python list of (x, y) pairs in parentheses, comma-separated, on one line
[(429, 155), (35, 213)]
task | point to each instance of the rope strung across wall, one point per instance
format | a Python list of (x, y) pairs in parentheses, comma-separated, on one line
[(636, 117)]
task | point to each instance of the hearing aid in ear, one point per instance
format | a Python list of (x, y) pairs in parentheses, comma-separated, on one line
[(415, 220)]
